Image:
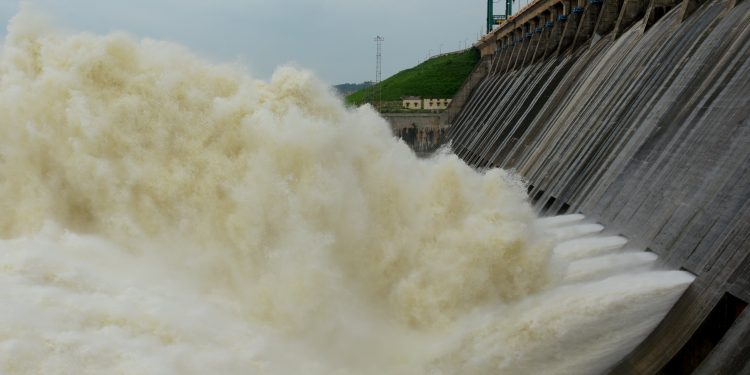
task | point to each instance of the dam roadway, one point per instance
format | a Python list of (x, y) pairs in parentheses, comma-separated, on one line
[(635, 113)]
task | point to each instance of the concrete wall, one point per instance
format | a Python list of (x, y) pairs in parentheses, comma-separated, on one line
[(646, 129), (422, 131)]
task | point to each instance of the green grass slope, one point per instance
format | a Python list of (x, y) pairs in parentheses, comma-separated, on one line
[(439, 77)]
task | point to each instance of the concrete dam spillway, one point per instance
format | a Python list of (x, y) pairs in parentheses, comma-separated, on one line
[(635, 114), (166, 215)]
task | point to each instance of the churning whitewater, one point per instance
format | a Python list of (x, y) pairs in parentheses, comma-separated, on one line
[(162, 215)]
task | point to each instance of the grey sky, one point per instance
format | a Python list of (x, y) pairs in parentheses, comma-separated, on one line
[(334, 38)]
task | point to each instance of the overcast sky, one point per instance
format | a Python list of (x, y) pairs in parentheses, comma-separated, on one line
[(334, 38)]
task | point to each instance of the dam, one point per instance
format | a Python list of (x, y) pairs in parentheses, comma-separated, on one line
[(165, 214), (634, 113)]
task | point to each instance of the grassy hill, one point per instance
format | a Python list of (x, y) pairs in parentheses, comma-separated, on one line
[(438, 77)]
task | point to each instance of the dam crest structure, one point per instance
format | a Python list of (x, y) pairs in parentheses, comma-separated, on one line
[(634, 113)]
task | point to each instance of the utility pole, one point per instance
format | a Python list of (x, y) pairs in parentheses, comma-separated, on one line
[(508, 8), (490, 16), (378, 72), (491, 12)]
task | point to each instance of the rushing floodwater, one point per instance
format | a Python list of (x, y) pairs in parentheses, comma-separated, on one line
[(163, 215)]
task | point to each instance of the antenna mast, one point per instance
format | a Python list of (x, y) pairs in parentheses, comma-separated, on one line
[(378, 70)]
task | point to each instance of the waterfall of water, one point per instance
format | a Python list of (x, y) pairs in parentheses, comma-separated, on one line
[(165, 215)]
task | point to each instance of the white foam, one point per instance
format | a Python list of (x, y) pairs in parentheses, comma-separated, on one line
[(561, 220), (165, 215), (583, 247), (573, 231), (606, 265)]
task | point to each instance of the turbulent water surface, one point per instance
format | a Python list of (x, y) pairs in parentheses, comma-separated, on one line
[(164, 215)]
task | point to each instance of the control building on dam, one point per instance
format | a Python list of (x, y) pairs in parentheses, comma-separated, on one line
[(635, 113)]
